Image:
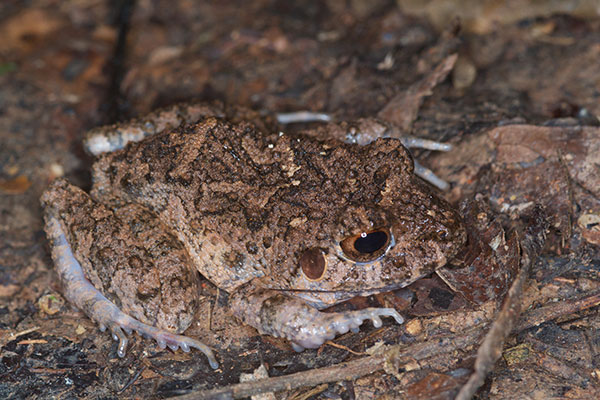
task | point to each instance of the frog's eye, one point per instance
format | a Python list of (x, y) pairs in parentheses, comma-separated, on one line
[(312, 263), (366, 246)]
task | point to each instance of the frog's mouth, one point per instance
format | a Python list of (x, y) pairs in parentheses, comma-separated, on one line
[(351, 293), (326, 298)]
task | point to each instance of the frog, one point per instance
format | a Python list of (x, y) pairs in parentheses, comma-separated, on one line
[(288, 224)]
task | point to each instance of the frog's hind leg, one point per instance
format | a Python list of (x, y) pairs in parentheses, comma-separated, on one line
[(67, 236), (106, 139), (79, 290)]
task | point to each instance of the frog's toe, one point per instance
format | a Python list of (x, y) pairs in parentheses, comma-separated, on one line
[(297, 348), (186, 344), (429, 176), (376, 321), (354, 319), (166, 339), (121, 325), (120, 336)]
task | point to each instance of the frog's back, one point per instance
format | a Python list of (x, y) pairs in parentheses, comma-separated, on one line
[(204, 185), (246, 204)]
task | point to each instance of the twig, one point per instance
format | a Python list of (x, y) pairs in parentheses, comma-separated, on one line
[(556, 310), (344, 371), (133, 379), (24, 332), (348, 349)]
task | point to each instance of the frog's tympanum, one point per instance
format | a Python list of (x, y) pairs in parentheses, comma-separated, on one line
[(288, 225)]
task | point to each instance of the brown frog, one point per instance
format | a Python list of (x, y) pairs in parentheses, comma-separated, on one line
[(288, 225)]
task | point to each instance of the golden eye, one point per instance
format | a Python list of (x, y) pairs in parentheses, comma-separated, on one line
[(366, 246), (312, 263)]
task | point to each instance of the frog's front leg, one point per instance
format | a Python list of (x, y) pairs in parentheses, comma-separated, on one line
[(76, 227), (274, 313)]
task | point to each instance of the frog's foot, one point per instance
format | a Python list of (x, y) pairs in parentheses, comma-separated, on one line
[(329, 325), (276, 314), (121, 325), (79, 291)]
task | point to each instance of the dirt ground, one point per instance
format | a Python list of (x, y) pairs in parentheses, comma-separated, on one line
[(514, 86)]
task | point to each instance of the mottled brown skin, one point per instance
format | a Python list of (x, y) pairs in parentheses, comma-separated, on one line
[(243, 207)]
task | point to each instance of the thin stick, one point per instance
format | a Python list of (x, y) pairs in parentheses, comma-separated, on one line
[(491, 349), (344, 371), (556, 310)]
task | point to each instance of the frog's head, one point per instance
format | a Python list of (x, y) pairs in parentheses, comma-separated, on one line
[(384, 240)]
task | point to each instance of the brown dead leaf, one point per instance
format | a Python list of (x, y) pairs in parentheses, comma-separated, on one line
[(433, 386), (147, 373), (21, 29), (9, 290), (403, 108), (579, 146), (18, 185), (590, 227), (525, 143)]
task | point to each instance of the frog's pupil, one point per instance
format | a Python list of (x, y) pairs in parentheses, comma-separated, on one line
[(370, 242)]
